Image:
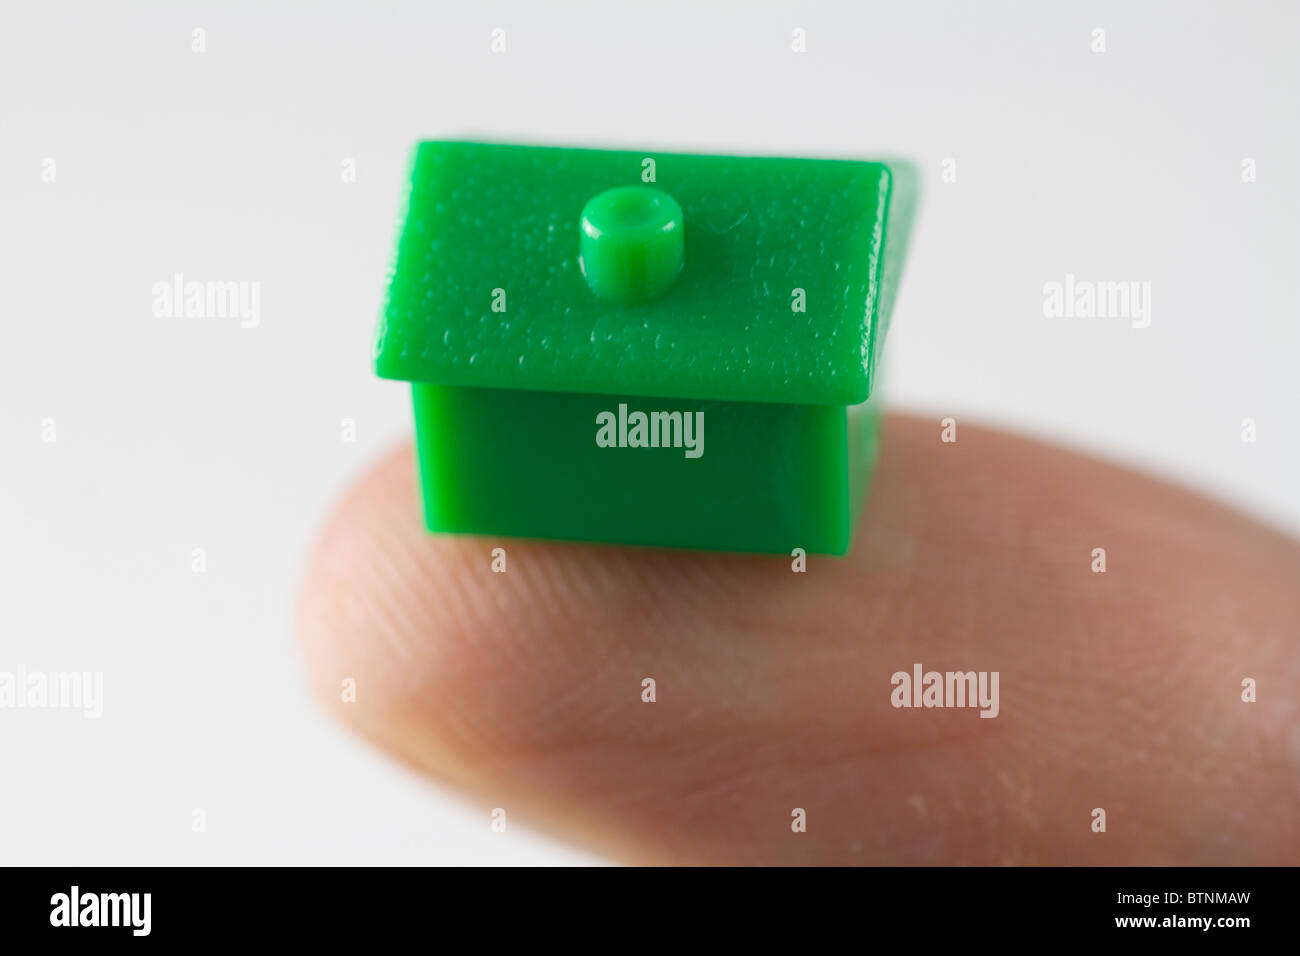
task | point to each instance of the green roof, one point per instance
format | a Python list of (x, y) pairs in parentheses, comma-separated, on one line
[(483, 218)]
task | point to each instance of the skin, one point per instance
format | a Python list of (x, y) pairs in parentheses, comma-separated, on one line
[(1120, 690)]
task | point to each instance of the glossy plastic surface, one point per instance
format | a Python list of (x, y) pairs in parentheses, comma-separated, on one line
[(770, 478), (631, 241), (782, 295), (535, 289)]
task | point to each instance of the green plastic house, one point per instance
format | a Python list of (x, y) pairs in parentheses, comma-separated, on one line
[(644, 348)]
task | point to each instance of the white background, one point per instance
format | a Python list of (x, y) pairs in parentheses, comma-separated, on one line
[(175, 434)]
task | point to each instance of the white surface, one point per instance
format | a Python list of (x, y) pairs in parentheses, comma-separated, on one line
[(174, 434)]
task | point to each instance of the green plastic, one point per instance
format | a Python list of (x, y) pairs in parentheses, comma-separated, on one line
[(542, 297), (632, 243)]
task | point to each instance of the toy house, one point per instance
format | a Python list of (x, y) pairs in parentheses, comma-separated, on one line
[(643, 348)]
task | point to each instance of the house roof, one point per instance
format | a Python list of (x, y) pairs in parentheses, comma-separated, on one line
[(487, 288)]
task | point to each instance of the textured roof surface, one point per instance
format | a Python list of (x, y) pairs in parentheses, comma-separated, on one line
[(487, 217)]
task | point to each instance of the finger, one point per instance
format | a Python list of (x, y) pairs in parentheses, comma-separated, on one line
[(1118, 690)]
